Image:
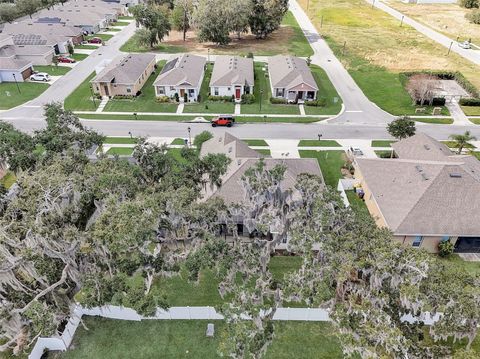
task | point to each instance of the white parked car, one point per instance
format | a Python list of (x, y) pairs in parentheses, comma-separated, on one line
[(40, 76), (465, 45), (356, 151)]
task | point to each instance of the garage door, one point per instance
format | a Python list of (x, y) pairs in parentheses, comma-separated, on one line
[(26, 73), (467, 245)]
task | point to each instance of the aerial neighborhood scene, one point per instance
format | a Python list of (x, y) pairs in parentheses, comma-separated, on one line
[(240, 179)]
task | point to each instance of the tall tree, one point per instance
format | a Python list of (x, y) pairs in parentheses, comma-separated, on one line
[(155, 20), (401, 128), (267, 16), (181, 16), (239, 15), (211, 19), (463, 140), (17, 149), (8, 12), (28, 7)]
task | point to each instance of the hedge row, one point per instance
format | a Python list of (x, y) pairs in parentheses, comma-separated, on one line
[(470, 102)]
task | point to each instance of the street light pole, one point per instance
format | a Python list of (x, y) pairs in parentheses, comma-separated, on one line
[(16, 83), (450, 48), (190, 136)]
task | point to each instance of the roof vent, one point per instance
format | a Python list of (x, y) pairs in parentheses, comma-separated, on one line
[(424, 176), (427, 147), (418, 168), (455, 175)]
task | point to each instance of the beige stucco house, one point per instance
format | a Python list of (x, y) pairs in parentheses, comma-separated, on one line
[(291, 79), (426, 195), (124, 76), (232, 76)]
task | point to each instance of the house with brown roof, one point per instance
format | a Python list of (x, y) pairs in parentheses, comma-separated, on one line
[(232, 76), (426, 195), (291, 79), (183, 75), (124, 76), (243, 158)]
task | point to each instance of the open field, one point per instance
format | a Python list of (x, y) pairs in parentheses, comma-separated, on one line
[(448, 19), (288, 39), (52, 70), (375, 50), (11, 97)]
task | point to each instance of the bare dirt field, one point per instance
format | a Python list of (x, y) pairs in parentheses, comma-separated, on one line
[(448, 19)]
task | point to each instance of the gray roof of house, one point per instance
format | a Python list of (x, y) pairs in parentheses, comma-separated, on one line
[(232, 70), (125, 69), (426, 197), (32, 49), (30, 27), (186, 69), (243, 158), (13, 63), (421, 147), (73, 17), (290, 71)]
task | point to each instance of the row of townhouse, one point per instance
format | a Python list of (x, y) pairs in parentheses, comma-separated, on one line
[(50, 32), (232, 76)]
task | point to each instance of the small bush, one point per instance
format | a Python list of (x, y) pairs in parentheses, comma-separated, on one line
[(474, 17), (445, 248), (163, 99), (470, 102), (177, 99), (276, 100), (220, 98), (201, 138), (248, 98), (185, 97), (250, 55), (320, 102), (123, 97), (470, 4), (438, 101)]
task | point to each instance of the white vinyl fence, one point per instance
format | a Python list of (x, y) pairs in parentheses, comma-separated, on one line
[(175, 313)]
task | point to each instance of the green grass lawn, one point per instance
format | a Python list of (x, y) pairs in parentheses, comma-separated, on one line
[(325, 90), (125, 18), (52, 69), (79, 57), (264, 152), (86, 47), (382, 143), (471, 267), (112, 29), (8, 180), (262, 84), (356, 203), (436, 121), (108, 339), (255, 142), (471, 110), (206, 106), (104, 37), (120, 140), (178, 142), (330, 162), (132, 45), (121, 151), (145, 102), (81, 98), (453, 144), (383, 153), (317, 143), (298, 44), (119, 23), (10, 97)]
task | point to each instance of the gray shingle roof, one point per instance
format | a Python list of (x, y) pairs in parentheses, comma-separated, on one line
[(426, 197), (125, 69), (182, 70), (421, 147), (13, 63), (289, 72), (232, 70), (29, 27)]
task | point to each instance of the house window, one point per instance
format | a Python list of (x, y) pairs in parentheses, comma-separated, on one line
[(215, 91), (417, 241), (161, 90), (172, 88), (191, 92), (280, 92), (229, 89), (129, 89)]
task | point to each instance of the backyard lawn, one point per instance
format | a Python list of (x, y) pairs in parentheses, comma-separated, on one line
[(376, 50), (331, 163), (471, 267), (288, 39), (107, 338), (81, 98), (327, 91), (317, 143), (356, 203), (52, 70), (145, 102), (11, 97), (206, 106)]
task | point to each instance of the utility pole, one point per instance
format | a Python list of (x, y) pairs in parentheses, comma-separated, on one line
[(16, 83), (190, 135), (450, 48), (401, 22)]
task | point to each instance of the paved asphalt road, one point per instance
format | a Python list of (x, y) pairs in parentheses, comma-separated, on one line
[(471, 55)]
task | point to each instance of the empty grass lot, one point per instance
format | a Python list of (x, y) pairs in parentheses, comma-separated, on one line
[(11, 97), (288, 39), (81, 98), (382, 143), (330, 162), (52, 70), (108, 339), (377, 50), (206, 106), (145, 102), (317, 143)]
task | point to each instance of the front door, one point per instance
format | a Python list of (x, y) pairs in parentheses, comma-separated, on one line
[(105, 89), (300, 95), (237, 93), (182, 93)]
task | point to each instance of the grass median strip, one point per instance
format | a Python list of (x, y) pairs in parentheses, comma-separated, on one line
[(436, 121), (471, 110), (382, 143), (120, 140), (79, 57), (317, 143)]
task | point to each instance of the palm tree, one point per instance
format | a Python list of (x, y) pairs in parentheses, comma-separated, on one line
[(462, 141)]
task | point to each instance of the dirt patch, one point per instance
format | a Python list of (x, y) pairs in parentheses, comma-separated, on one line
[(277, 42)]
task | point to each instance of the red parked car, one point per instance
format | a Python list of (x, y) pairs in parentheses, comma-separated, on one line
[(95, 40), (65, 59), (223, 121)]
